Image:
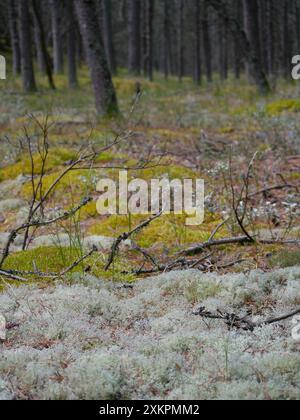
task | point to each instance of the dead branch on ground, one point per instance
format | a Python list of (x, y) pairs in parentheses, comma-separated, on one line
[(234, 321)]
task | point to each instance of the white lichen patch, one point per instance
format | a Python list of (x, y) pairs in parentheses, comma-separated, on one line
[(95, 340)]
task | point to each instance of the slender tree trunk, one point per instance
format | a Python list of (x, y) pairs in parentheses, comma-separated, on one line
[(58, 57), (105, 95), (207, 42), (236, 40), (71, 46), (148, 37), (251, 13), (198, 64), (134, 36), (166, 39), (180, 11), (106, 8), (42, 42), (14, 36), (37, 36), (26, 47)]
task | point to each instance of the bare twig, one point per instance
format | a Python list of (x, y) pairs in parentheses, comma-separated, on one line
[(127, 235), (273, 188), (39, 223)]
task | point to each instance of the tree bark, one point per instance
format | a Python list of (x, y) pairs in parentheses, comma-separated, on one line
[(207, 42), (29, 84), (14, 36), (249, 47), (71, 46), (134, 36), (180, 12), (198, 63), (105, 95), (41, 41), (107, 31), (252, 25), (58, 57)]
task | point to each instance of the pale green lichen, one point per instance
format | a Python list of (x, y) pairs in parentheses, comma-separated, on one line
[(96, 340)]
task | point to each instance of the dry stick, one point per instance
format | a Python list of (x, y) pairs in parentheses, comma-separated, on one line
[(217, 229), (12, 276), (273, 188), (226, 241), (125, 236), (77, 263), (39, 223), (231, 241), (234, 321)]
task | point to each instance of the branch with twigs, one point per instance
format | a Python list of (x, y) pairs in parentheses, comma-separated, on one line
[(234, 321), (38, 224), (127, 235), (16, 275)]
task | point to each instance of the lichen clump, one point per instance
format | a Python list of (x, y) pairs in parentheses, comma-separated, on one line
[(91, 339)]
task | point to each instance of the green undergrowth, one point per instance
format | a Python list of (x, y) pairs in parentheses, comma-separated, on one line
[(167, 230), (51, 260)]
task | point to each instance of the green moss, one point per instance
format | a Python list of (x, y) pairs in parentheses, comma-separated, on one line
[(77, 183), (55, 260), (167, 230), (57, 157), (288, 105)]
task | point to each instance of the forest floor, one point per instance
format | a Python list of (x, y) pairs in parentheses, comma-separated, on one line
[(175, 131)]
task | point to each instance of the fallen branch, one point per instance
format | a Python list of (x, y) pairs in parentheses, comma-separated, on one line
[(127, 235), (273, 188), (234, 321), (239, 240), (213, 243), (12, 276)]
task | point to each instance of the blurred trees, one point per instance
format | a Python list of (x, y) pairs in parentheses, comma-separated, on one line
[(178, 38)]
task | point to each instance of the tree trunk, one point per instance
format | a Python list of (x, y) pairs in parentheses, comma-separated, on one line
[(252, 25), (58, 57), (198, 64), (206, 42), (107, 32), (148, 38), (105, 95), (41, 40), (26, 47), (166, 40), (37, 36), (180, 12), (250, 47), (71, 46), (134, 36), (14, 36)]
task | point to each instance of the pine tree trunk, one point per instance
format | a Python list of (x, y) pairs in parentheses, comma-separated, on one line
[(134, 36), (58, 58), (71, 47), (180, 11), (207, 43), (39, 52), (107, 31), (29, 84), (105, 95), (41, 40), (14, 36), (148, 37), (166, 40), (198, 64)]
